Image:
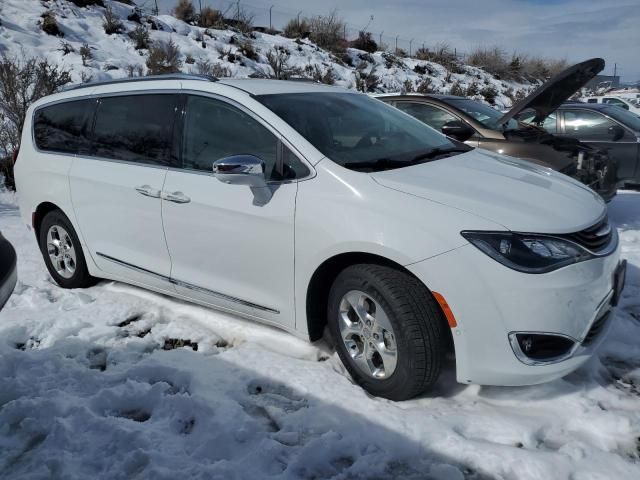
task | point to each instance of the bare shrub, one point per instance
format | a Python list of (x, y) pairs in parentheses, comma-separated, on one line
[(140, 37), (211, 18), (111, 22), (164, 57), (207, 67), (134, 70), (85, 77), (184, 11), (424, 85), (442, 54), (472, 90), (246, 48), (189, 60), (50, 24), (297, 28), (22, 82), (228, 54), (493, 60), (366, 81), (278, 59), (318, 74), (66, 48), (407, 87), (489, 93), (456, 89), (85, 53), (327, 31), (365, 42)]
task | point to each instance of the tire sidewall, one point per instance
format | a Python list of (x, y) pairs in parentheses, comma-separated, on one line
[(400, 382), (81, 276)]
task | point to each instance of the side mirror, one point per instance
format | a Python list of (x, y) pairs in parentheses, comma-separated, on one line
[(616, 132), (240, 170), (458, 130)]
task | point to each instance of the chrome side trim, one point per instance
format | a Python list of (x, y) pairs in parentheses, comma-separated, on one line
[(189, 286), (133, 267)]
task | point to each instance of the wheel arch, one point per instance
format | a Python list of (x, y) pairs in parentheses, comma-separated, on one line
[(322, 279), (40, 212)]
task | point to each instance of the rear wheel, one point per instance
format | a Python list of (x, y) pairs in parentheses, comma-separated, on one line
[(62, 252), (388, 329)]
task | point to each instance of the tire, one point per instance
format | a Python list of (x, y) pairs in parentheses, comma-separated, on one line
[(71, 272), (418, 333)]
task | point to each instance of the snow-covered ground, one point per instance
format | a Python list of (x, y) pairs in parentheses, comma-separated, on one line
[(111, 55), (88, 390)]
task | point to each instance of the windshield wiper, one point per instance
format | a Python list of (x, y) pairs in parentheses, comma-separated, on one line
[(390, 163), (436, 153)]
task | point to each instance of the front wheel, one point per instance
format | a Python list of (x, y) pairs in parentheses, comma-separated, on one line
[(63, 253), (388, 329)]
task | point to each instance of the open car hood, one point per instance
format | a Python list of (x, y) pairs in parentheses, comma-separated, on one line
[(551, 94)]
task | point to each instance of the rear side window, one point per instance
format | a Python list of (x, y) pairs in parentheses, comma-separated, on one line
[(432, 116), (136, 128), (64, 127)]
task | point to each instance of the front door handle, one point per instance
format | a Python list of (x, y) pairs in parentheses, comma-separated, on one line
[(147, 191), (175, 197)]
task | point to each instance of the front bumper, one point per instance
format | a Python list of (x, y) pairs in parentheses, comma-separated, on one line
[(8, 275), (490, 301)]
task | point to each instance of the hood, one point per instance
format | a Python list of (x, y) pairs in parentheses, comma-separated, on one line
[(516, 194), (551, 94)]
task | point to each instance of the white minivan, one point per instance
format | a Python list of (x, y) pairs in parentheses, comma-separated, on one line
[(317, 209)]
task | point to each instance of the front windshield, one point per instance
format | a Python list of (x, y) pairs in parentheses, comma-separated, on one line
[(487, 116), (356, 131), (625, 117)]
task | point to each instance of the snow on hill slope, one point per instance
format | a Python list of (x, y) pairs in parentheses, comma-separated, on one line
[(113, 55)]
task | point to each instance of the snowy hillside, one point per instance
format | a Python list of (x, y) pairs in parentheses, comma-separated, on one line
[(232, 53), (92, 386)]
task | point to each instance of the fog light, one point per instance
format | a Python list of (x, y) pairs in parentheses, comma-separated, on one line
[(537, 348)]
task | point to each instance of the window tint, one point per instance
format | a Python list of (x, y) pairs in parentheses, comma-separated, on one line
[(292, 167), (592, 100), (135, 128), (586, 124), (215, 130), (64, 127), (432, 116)]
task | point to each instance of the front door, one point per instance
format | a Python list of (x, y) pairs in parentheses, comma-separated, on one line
[(116, 187), (228, 246), (594, 128)]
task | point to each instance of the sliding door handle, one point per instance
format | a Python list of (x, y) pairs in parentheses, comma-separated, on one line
[(175, 197), (147, 191)]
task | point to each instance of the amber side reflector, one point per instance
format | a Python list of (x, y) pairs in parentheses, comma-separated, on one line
[(446, 309)]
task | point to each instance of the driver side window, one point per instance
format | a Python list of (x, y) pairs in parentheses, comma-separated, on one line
[(214, 129)]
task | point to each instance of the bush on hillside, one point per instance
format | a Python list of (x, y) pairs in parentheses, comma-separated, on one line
[(111, 22), (278, 59), (50, 24), (365, 42), (297, 29), (210, 18), (164, 57), (207, 67), (140, 37), (327, 31), (185, 11), (88, 3)]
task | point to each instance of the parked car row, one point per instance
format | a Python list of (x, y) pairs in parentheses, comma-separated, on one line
[(321, 210), (597, 144)]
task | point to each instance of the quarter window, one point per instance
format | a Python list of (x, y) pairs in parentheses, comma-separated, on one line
[(617, 102), (214, 129), (135, 128), (432, 116), (64, 127)]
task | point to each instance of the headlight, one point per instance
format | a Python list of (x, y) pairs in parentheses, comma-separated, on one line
[(528, 253)]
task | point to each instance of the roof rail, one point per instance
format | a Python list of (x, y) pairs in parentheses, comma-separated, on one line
[(168, 76)]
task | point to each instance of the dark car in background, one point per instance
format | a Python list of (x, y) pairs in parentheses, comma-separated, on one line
[(602, 126), (8, 274), (481, 126)]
